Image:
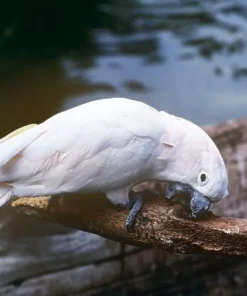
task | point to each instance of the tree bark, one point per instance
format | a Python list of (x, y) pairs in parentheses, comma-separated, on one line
[(161, 225)]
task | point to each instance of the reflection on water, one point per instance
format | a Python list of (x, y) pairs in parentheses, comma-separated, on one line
[(187, 57)]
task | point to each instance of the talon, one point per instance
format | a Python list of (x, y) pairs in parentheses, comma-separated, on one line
[(128, 225), (173, 189), (130, 221), (196, 201), (170, 191), (199, 204)]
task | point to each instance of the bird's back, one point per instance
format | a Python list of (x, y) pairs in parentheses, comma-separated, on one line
[(99, 145)]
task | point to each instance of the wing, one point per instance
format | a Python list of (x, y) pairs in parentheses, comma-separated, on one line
[(85, 148)]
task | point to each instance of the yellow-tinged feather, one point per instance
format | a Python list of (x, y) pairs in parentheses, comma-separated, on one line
[(17, 132)]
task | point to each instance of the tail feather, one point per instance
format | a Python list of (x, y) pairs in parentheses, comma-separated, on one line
[(10, 146)]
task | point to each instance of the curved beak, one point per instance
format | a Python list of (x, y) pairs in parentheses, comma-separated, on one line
[(198, 203)]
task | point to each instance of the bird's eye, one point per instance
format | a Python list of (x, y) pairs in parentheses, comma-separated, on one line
[(203, 177)]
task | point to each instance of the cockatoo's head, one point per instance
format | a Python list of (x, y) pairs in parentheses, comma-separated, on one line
[(195, 165), (207, 183), (210, 176)]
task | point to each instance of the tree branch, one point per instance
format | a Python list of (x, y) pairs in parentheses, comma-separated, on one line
[(160, 225)]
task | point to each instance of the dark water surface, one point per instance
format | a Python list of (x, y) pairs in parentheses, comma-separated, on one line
[(187, 57)]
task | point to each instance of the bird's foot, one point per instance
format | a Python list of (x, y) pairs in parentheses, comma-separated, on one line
[(194, 200), (135, 204), (173, 189)]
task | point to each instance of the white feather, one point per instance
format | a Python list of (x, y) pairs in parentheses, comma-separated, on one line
[(99, 146), (106, 145)]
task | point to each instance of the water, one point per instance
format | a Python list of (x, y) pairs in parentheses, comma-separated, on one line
[(186, 57)]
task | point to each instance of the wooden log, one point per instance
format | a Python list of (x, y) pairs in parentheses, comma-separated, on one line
[(162, 226)]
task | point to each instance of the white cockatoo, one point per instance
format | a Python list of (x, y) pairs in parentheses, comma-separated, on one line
[(109, 146)]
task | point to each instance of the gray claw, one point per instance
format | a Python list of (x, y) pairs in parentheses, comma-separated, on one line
[(196, 201), (199, 204), (173, 189), (130, 221), (170, 190)]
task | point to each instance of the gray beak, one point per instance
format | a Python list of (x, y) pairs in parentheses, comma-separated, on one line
[(196, 201)]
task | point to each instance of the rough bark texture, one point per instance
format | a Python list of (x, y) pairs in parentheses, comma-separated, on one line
[(42, 258), (160, 226)]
